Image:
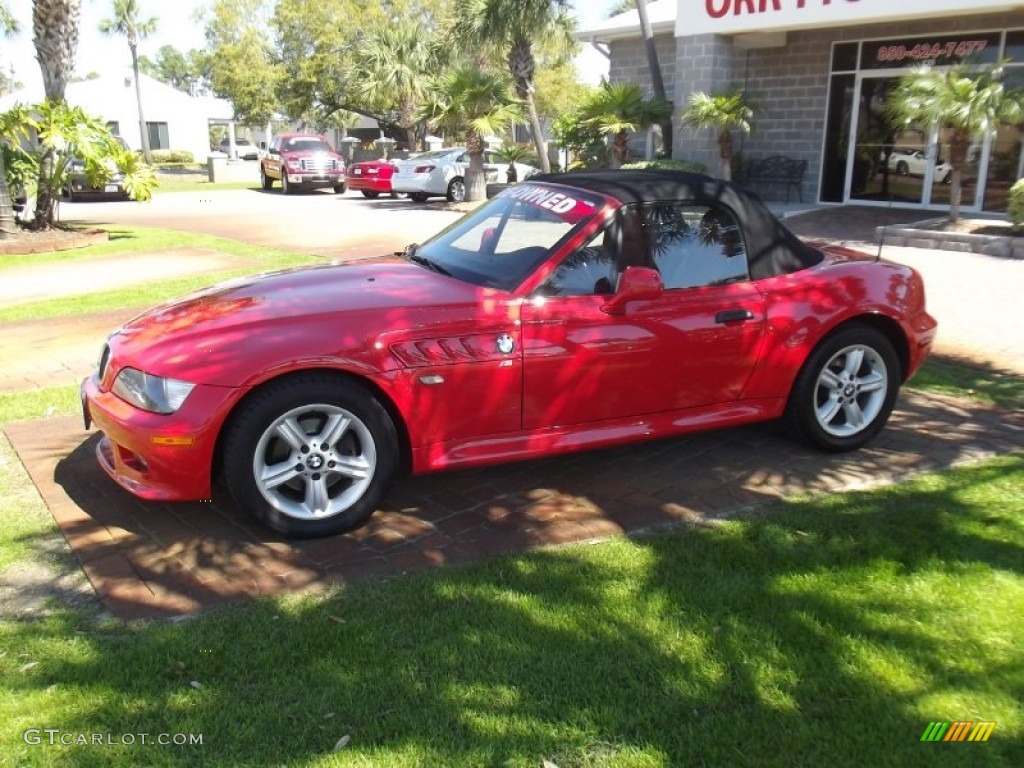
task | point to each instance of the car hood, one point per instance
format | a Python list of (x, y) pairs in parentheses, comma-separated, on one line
[(231, 331)]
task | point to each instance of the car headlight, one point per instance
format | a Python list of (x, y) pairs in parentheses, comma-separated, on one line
[(149, 392)]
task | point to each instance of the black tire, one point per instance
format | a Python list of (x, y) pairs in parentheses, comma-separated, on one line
[(286, 187), (948, 178), (456, 190), (370, 194), (367, 442), (902, 168), (339, 189), (836, 388), (418, 197), (265, 180)]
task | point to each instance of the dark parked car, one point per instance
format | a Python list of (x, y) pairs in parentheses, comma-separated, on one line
[(79, 186)]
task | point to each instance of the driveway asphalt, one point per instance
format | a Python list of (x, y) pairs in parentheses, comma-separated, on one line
[(317, 222)]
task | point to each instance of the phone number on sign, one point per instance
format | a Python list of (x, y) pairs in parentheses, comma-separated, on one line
[(926, 51)]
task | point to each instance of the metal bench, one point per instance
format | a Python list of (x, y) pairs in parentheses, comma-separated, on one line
[(776, 169)]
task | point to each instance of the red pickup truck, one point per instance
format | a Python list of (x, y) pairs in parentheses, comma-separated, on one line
[(302, 161)]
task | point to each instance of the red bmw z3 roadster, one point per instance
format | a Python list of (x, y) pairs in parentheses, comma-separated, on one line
[(572, 311)]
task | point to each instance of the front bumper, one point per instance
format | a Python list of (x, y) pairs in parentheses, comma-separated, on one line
[(154, 456), (308, 179)]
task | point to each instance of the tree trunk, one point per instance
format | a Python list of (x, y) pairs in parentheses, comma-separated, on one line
[(538, 137), (958, 146), (8, 227), (656, 79), (620, 149), (46, 196), (55, 35), (476, 177), (143, 132), (725, 153)]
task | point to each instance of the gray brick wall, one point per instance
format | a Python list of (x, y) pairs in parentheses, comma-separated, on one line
[(788, 85)]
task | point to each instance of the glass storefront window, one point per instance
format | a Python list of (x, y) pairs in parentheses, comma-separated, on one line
[(844, 57)]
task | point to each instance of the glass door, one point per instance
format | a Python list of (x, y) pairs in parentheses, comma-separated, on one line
[(886, 164)]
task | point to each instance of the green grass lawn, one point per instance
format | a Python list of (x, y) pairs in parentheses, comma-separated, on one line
[(829, 632), (127, 240), (202, 186)]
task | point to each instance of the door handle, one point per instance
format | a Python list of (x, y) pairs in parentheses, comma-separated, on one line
[(734, 315)]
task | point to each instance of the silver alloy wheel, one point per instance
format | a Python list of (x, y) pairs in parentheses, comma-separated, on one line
[(851, 390), (314, 461), (457, 190)]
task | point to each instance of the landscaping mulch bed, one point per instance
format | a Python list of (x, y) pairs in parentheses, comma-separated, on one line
[(47, 241)]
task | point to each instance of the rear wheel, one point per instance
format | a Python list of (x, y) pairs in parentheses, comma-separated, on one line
[(456, 190), (369, 193), (902, 168), (311, 455), (846, 390), (265, 180), (418, 197)]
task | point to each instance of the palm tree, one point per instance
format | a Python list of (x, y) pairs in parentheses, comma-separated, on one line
[(475, 104), (514, 27), (722, 112), (397, 60), (967, 102), (655, 67), (126, 22), (8, 28), (55, 36), (616, 109)]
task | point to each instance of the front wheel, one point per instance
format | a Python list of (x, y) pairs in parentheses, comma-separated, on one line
[(265, 180), (311, 455), (286, 187), (370, 194), (902, 168), (846, 390), (339, 189), (456, 190), (418, 197)]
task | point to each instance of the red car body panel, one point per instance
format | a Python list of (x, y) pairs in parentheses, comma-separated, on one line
[(578, 377), (371, 176)]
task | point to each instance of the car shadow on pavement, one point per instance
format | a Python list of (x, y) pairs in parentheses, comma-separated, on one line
[(156, 559)]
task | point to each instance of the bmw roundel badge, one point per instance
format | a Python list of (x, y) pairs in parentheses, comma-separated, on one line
[(506, 344)]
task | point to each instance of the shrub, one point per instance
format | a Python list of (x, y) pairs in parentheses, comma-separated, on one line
[(172, 156), (689, 166), (1015, 208)]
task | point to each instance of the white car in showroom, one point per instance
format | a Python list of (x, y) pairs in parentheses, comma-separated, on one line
[(914, 162), (443, 172)]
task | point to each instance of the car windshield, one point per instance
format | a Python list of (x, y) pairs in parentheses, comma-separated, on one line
[(436, 154), (501, 243), (307, 144)]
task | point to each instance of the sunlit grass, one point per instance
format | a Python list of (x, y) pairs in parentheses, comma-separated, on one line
[(831, 631), (948, 377)]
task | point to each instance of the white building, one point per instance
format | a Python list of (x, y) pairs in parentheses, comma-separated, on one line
[(174, 119)]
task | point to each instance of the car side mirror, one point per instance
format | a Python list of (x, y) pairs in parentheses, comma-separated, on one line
[(635, 284), (263, 145)]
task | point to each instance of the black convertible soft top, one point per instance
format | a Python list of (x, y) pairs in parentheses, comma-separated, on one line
[(771, 248)]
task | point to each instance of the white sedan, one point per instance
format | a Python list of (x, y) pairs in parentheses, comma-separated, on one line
[(914, 162), (443, 172)]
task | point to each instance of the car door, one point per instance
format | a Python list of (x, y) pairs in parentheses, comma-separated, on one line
[(272, 162), (693, 345)]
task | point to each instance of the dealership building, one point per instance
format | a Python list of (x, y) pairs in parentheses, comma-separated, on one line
[(818, 73)]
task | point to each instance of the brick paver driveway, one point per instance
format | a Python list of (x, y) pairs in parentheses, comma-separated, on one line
[(149, 559)]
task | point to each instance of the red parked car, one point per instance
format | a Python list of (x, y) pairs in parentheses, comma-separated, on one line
[(571, 311), (371, 177), (302, 161)]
